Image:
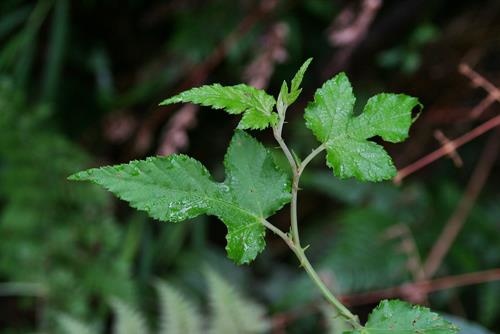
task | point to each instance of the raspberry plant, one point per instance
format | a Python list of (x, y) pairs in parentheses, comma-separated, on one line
[(177, 187)]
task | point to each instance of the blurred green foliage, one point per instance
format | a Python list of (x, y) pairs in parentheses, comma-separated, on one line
[(60, 237)]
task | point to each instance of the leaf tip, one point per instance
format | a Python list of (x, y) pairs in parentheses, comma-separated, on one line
[(170, 100), (79, 176)]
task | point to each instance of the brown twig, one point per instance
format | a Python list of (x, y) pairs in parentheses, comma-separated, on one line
[(175, 137), (272, 50), (409, 290), (449, 147), (454, 156), (409, 247), (348, 30), (349, 27), (479, 81), (445, 150), (457, 220)]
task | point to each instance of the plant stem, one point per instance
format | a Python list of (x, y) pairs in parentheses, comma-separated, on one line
[(277, 131), (297, 172), (344, 311), (304, 262), (294, 241), (281, 234), (311, 156), (284, 148)]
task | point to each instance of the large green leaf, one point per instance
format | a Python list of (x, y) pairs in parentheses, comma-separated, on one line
[(176, 188), (349, 152), (255, 104), (402, 318)]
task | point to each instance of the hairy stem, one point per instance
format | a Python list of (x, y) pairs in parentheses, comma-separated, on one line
[(297, 172), (304, 262), (284, 147), (311, 156), (294, 241), (344, 311), (281, 234)]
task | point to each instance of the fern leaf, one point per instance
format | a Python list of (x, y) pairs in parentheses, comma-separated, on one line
[(69, 325), (177, 314), (128, 320), (231, 312)]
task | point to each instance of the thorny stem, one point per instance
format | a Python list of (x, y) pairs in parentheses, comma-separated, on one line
[(277, 130), (311, 156), (293, 241), (281, 234), (284, 148), (304, 262)]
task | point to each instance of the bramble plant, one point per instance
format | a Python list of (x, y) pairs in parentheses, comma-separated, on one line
[(177, 187)]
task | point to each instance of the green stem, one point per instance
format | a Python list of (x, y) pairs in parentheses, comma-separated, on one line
[(284, 147), (311, 156), (294, 242), (281, 234), (344, 311), (304, 261)]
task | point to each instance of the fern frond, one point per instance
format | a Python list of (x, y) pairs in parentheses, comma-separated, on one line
[(69, 325), (364, 243), (128, 320), (177, 314), (230, 311)]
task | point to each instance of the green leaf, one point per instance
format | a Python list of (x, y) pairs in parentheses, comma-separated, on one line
[(385, 115), (285, 97), (295, 89), (176, 188), (399, 317), (255, 104), (345, 136)]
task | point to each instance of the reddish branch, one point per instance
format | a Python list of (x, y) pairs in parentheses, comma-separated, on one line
[(482, 106), (457, 220), (272, 50), (348, 31), (454, 156), (175, 136), (350, 27), (447, 149), (479, 81), (409, 247), (410, 290)]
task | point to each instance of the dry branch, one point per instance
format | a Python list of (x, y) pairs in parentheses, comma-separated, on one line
[(457, 220)]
